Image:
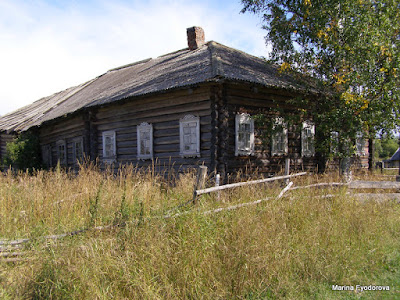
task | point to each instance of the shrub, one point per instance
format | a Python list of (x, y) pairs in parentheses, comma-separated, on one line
[(24, 153)]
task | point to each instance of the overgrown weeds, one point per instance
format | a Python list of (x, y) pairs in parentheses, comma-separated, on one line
[(294, 248)]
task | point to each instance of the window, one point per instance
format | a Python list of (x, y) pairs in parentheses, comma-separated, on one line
[(46, 155), (190, 136), (77, 149), (244, 135), (334, 145), (360, 144), (109, 146), (307, 139), (62, 152), (145, 141), (279, 137)]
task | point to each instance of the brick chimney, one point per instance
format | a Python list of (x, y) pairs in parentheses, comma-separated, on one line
[(195, 37)]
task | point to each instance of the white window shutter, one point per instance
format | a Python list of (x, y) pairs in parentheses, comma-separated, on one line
[(109, 146), (244, 135), (307, 139), (144, 141), (279, 143), (189, 128)]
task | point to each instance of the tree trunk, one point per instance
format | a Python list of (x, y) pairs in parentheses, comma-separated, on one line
[(398, 176)]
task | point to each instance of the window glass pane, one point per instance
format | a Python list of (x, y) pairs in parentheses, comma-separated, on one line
[(247, 140), (109, 146), (186, 139), (244, 133), (78, 150)]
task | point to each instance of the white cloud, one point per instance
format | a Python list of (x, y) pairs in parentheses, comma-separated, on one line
[(47, 48)]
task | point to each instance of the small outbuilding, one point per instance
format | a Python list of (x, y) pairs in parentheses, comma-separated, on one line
[(393, 162)]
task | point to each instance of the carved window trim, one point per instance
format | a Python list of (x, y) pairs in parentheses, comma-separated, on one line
[(142, 129), (110, 137), (189, 129), (62, 152), (307, 139), (279, 145), (244, 134), (78, 151)]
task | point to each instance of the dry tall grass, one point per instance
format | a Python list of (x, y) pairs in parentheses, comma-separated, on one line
[(294, 248)]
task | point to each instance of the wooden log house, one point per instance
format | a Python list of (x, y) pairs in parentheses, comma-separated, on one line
[(191, 107)]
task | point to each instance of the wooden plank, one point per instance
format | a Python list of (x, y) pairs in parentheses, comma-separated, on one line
[(149, 114), (200, 181), (159, 117), (323, 184), (361, 184), (139, 105), (163, 162), (62, 126), (68, 136), (243, 89)]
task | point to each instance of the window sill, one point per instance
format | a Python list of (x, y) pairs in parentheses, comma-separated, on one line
[(109, 160), (279, 154), (183, 155), (145, 158), (242, 153)]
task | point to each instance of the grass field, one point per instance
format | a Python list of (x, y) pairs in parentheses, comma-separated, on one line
[(296, 247)]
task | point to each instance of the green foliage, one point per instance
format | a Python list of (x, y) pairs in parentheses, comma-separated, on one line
[(24, 153), (386, 147), (351, 47), (94, 206)]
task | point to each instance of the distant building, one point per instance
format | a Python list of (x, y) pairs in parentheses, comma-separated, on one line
[(393, 162)]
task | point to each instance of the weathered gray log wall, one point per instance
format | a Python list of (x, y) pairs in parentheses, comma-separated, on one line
[(164, 112), (239, 98), (64, 129)]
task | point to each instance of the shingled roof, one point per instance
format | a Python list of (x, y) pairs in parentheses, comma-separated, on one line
[(210, 62), (396, 155)]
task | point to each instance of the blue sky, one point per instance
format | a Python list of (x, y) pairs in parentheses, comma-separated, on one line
[(48, 46)]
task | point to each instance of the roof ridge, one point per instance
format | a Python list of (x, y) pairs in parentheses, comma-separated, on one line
[(74, 90), (130, 65), (215, 65)]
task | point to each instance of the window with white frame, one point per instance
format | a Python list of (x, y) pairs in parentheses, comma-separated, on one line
[(189, 128), (279, 144), (77, 149), (307, 139), (61, 152), (360, 144), (334, 145), (109, 146), (244, 126), (145, 141)]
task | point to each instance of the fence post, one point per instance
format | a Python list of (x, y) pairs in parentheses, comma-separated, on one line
[(217, 183), (200, 181)]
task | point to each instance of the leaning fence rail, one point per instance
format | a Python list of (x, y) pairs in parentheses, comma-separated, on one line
[(234, 185)]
